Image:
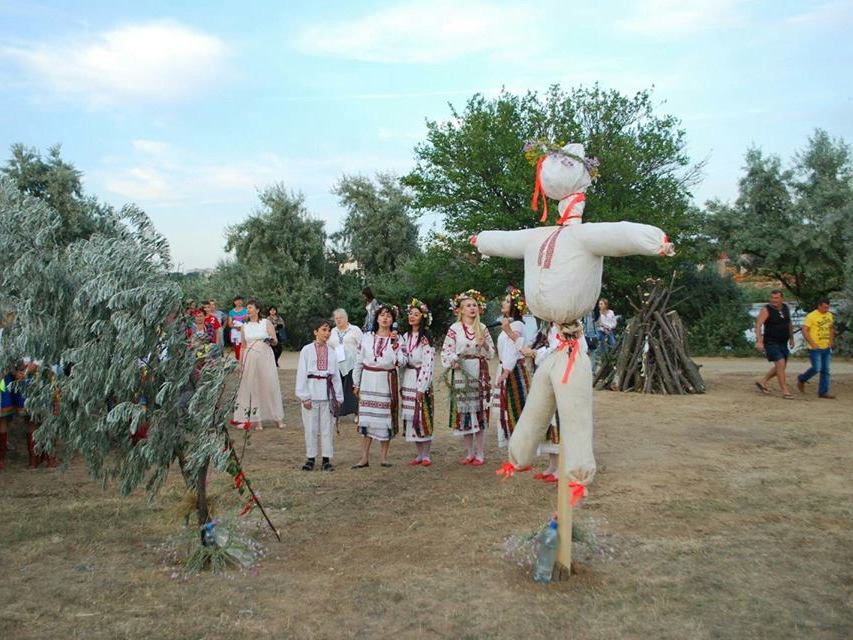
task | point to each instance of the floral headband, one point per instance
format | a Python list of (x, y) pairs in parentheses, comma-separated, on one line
[(516, 299), (536, 150), (421, 306), (473, 294)]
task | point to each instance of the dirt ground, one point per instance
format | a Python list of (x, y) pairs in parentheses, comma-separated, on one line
[(726, 515)]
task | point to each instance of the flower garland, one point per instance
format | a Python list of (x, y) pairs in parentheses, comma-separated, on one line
[(516, 299), (423, 308), (535, 150), (472, 294)]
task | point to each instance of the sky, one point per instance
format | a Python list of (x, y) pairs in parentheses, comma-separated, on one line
[(188, 109)]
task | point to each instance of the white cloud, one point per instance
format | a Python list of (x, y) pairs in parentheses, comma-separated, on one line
[(680, 18), (150, 147), (159, 61), (419, 32)]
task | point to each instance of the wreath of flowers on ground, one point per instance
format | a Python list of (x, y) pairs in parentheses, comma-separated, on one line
[(473, 294), (535, 150), (423, 308), (516, 299)]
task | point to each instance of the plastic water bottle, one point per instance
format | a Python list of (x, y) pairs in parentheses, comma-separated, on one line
[(547, 553)]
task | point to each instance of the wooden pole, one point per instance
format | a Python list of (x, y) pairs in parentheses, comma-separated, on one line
[(563, 568)]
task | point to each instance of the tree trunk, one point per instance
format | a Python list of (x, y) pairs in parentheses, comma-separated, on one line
[(202, 509)]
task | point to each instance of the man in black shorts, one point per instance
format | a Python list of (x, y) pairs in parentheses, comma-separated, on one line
[(774, 333)]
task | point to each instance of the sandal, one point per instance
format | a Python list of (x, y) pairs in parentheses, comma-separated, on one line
[(762, 388), (426, 462), (386, 464), (360, 466), (328, 466), (788, 396), (309, 465)]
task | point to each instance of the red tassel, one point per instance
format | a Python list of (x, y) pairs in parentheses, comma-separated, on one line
[(537, 191), (578, 491), (248, 506)]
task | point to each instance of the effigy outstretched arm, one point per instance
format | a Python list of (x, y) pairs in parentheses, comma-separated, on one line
[(618, 239), (503, 244)]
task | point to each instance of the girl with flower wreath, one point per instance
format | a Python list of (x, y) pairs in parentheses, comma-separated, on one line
[(375, 382), (512, 379), (466, 351), (416, 388)]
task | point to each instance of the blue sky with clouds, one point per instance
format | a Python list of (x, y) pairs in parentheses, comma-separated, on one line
[(188, 108)]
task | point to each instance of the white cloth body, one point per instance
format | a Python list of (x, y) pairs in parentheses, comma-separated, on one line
[(259, 396), (350, 338), (509, 353), (374, 392), (541, 353), (570, 284), (416, 378), (562, 282), (318, 421), (314, 362), (459, 345)]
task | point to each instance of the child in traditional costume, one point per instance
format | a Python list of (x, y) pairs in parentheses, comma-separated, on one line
[(318, 387), (511, 377), (375, 381), (416, 393), (466, 351)]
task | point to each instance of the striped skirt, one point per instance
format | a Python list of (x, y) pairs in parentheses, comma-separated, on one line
[(508, 401)]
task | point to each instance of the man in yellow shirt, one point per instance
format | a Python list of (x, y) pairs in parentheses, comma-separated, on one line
[(819, 333)]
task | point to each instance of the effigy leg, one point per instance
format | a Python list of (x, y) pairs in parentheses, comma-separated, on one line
[(535, 417)]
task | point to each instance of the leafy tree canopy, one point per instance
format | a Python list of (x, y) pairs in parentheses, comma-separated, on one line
[(379, 232), (792, 224), (472, 170)]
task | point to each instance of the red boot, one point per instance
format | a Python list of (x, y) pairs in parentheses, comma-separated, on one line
[(35, 460), (4, 439)]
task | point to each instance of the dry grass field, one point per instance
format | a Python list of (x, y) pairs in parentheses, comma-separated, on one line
[(726, 515)]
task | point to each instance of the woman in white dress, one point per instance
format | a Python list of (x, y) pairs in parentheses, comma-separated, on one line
[(466, 351), (512, 379), (416, 391), (375, 383), (259, 397)]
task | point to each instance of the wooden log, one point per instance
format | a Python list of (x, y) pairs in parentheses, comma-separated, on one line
[(564, 522), (660, 360)]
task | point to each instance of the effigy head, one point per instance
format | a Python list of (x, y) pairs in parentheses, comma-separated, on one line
[(562, 173)]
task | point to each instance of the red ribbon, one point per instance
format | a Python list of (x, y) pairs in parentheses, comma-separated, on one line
[(248, 506), (244, 426), (238, 479), (577, 198), (508, 469), (537, 191), (572, 345), (662, 251), (578, 491)]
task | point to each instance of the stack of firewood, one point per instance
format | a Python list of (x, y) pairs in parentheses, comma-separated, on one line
[(652, 355)]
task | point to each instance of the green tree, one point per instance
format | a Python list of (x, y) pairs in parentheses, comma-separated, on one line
[(791, 224), (471, 169), (280, 258), (59, 184), (105, 304), (379, 232)]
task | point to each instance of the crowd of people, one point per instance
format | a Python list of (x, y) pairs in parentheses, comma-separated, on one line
[(384, 377)]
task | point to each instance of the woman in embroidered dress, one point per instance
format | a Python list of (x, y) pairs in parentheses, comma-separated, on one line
[(416, 392), (466, 351), (375, 383), (512, 379), (346, 341), (259, 397)]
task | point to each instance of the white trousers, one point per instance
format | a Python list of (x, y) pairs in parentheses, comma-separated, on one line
[(574, 402), (318, 420)]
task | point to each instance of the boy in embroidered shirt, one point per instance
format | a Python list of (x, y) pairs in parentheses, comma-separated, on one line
[(319, 389)]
